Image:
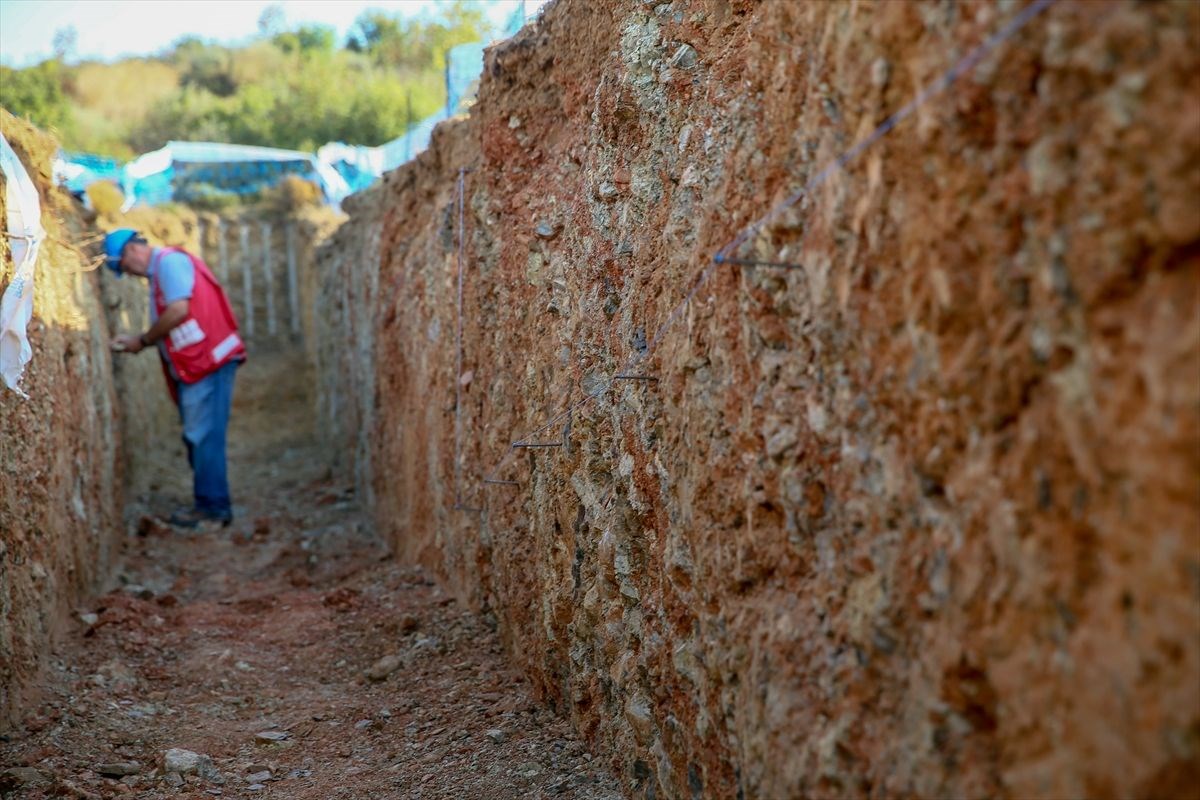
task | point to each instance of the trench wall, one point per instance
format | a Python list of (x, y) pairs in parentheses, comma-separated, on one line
[(918, 517), (60, 475)]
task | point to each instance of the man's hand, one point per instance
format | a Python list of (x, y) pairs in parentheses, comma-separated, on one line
[(171, 316), (127, 343)]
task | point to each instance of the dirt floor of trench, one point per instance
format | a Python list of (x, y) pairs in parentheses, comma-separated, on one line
[(254, 646)]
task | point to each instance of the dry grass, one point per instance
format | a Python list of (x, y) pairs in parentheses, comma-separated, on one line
[(168, 226), (58, 288), (292, 194), (106, 197), (110, 99), (126, 90)]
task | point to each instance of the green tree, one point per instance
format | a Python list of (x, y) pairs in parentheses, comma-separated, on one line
[(272, 21), (65, 43), (204, 66), (370, 29), (38, 94), (306, 39), (421, 42), (191, 115)]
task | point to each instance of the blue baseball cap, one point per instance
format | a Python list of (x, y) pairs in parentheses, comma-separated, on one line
[(114, 244)]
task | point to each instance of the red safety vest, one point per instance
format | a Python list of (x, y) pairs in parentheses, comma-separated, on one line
[(207, 339)]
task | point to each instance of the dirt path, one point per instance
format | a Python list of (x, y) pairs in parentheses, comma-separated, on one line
[(289, 652)]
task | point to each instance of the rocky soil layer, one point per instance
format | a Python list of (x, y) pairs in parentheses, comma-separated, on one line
[(915, 517), (60, 496), (287, 656)]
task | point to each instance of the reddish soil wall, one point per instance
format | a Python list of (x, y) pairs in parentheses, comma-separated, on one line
[(917, 518), (60, 479)]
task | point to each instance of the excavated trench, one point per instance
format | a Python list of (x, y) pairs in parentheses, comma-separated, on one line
[(900, 497), (289, 654), (286, 656)]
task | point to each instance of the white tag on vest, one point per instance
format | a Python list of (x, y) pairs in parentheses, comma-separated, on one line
[(186, 334), (226, 347)]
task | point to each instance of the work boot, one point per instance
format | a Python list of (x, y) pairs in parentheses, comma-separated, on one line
[(194, 518)]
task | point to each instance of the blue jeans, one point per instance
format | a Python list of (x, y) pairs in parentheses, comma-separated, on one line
[(204, 409)]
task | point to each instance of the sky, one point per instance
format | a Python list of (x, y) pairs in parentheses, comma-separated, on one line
[(113, 29)]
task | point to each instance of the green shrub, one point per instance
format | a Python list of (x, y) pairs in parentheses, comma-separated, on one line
[(38, 93)]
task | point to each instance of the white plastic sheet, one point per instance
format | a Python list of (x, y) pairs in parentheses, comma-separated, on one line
[(25, 235)]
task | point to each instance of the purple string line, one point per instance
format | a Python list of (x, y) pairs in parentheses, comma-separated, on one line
[(943, 82), (459, 354), (964, 65)]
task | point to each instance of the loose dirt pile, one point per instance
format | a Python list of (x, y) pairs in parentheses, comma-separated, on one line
[(286, 656)]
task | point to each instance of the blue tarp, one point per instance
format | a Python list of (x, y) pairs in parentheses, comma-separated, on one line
[(186, 171), (77, 171), (464, 65)]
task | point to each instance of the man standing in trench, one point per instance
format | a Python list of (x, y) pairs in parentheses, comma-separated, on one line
[(196, 334)]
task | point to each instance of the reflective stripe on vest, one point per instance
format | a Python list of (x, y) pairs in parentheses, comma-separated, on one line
[(207, 339)]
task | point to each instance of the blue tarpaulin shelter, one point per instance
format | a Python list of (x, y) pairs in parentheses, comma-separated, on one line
[(187, 170)]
